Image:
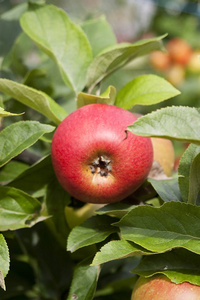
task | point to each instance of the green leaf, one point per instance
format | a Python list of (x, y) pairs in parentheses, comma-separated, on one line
[(178, 123), (65, 42), (56, 199), (114, 57), (188, 174), (84, 281), (18, 59), (179, 265), (115, 209), (4, 261), (173, 225), (11, 170), (99, 33), (49, 260), (17, 209), (92, 231), (35, 177), (19, 136), (118, 250), (168, 189), (194, 180), (33, 98), (4, 113), (108, 97), (145, 90), (10, 28), (184, 169)]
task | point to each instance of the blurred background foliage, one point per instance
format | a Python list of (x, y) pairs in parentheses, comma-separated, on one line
[(131, 20)]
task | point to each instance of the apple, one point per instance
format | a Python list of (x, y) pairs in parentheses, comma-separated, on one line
[(163, 153), (95, 158), (193, 65), (179, 50), (160, 60), (161, 288), (176, 74)]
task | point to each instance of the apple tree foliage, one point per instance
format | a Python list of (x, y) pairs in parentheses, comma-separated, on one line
[(50, 246)]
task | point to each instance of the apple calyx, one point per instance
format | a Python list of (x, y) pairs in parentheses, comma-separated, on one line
[(101, 166)]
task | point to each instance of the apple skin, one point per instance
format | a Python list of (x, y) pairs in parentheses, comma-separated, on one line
[(193, 65), (95, 159), (163, 153), (160, 60), (161, 288), (179, 51), (176, 74)]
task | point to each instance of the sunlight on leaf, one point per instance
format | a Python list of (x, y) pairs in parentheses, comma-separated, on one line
[(4, 113), (145, 90), (33, 98), (118, 250), (18, 209), (4, 261), (114, 57), (64, 41), (108, 97), (19, 136)]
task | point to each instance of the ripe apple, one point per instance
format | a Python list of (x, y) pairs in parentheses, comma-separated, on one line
[(163, 153), (193, 65), (160, 60), (175, 74), (95, 159), (179, 50), (161, 288)]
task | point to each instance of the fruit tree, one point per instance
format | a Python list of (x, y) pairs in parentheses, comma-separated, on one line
[(89, 196)]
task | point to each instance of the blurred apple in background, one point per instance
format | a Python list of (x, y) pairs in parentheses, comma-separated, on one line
[(160, 60), (175, 75), (179, 51), (194, 62)]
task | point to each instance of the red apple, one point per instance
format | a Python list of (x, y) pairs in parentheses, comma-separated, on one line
[(160, 60), (161, 288), (179, 50), (95, 159)]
